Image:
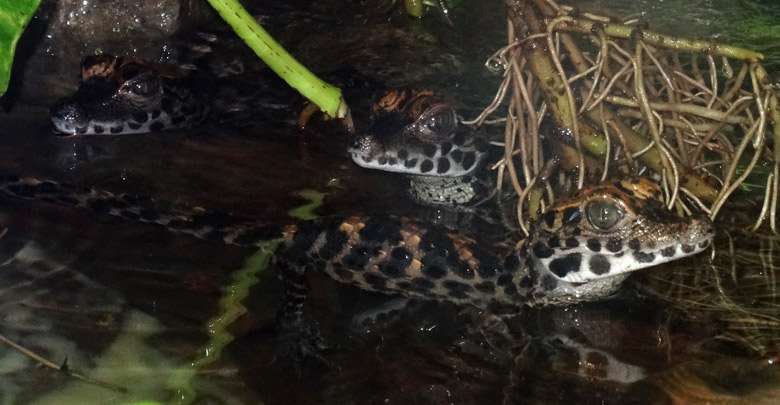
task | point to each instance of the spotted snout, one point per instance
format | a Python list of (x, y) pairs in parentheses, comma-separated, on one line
[(614, 229), (446, 159), (580, 260)]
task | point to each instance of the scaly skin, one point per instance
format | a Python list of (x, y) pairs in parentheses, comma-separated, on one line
[(581, 250), (119, 95)]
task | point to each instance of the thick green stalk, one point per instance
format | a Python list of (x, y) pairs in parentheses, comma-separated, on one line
[(325, 96), (14, 16)]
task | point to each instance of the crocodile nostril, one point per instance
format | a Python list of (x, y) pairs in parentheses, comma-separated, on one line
[(69, 112)]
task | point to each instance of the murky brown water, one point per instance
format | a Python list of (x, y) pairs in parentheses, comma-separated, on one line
[(132, 304)]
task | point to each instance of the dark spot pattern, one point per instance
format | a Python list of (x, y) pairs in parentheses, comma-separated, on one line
[(643, 257), (446, 147), (436, 240), (511, 263), (469, 158), (391, 270), (443, 166), (504, 280), (156, 126), (396, 264), (541, 251), (380, 229), (564, 265), (375, 281), (599, 265), (334, 243), (459, 139), (410, 163), (456, 155), (634, 244), (594, 244), (687, 248), (614, 245), (357, 259), (668, 251), (549, 218), (458, 267), (434, 271), (426, 166), (457, 289), (422, 284), (572, 242), (485, 287)]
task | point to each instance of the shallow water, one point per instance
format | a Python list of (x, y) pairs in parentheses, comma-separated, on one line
[(139, 307)]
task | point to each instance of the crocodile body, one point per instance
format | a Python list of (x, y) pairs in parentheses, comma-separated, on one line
[(582, 248)]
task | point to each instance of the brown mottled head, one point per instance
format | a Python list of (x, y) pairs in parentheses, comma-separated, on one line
[(611, 229), (417, 132), (120, 95)]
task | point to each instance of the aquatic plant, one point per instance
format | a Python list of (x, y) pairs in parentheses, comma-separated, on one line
[(14, 16), (328, 98), (637, 101)]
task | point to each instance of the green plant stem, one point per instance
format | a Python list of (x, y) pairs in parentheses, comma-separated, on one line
[(325, 96)]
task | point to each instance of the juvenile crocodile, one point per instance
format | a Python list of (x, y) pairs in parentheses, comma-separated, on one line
[(120, 95), (583, 247), (419, 134)]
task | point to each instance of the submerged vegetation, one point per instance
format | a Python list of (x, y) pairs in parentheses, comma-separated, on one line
[(737, 295)]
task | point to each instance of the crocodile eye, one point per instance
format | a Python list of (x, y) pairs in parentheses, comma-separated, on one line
[(437, 122), (144, 87), (603, 215)]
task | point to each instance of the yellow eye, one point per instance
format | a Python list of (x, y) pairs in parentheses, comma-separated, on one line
[(603, 215)]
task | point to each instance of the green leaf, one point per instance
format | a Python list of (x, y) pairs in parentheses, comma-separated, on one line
[(14, 16)]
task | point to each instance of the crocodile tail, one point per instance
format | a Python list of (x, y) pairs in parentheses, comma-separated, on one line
[(203, 224)]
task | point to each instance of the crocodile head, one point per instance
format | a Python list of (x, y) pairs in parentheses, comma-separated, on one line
[(585, 245), (417, 133), (119, 95)]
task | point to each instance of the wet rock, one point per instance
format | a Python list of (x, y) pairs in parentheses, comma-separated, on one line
[(63, 31)]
